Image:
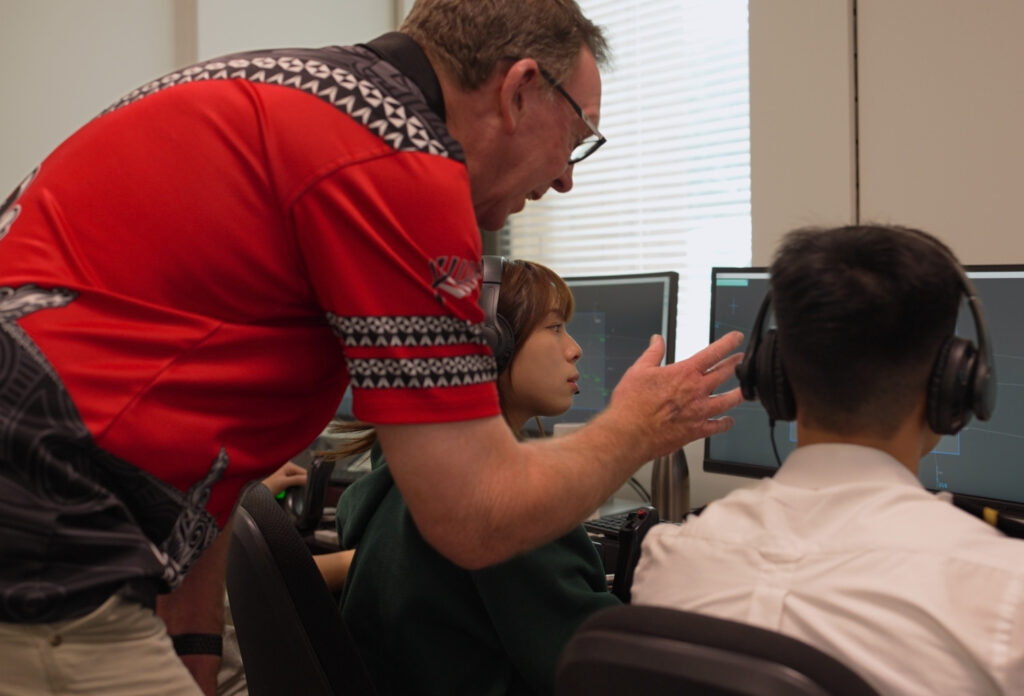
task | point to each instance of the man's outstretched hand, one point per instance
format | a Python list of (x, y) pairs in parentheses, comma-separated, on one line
[(673, 405)]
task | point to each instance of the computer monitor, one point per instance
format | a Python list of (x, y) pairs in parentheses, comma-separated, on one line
[(983, 463), (744, 450), (614, 319)]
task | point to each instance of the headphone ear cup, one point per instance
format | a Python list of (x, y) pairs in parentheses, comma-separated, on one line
[(501, 340), (983, 388), (746, 373), (746, 370), (772, 385), (951, 386), (495, 329)]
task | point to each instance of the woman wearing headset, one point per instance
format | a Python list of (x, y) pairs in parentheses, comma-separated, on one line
[(424, 625)]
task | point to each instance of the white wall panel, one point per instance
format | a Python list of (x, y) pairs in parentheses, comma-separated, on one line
[(67, 60), (942, 121), (802, 150), (226, 26)]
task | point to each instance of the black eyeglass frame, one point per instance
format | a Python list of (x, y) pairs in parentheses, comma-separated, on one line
[(592, 142)]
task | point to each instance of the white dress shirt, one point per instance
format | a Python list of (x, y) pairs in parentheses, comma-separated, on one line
[(846, 551)]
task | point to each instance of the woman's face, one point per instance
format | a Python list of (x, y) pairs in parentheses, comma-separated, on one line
[(542, 378)]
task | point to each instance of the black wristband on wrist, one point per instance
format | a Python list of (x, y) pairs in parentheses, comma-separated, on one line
[(198, 644)]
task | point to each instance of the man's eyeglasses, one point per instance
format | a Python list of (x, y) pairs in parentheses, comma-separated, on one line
[(589, 144)]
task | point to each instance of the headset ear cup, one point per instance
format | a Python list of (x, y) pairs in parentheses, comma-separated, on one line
[(950, 388), (495, 329), (498, 335), (983, 388), (505, 343), (772, 385), (746, 370), (746, 373), (763, 379)]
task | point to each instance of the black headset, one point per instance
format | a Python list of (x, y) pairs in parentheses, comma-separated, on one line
[(962, 380), (496, 330)]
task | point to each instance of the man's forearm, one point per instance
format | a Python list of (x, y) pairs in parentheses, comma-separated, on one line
[(511, 496), (480, 497), (197, 607)]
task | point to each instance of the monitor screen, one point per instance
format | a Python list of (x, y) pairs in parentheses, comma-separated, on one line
[(614, 319), (745, 450), (983, 462)]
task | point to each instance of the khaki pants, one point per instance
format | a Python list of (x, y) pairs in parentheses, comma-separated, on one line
[(120, 649)]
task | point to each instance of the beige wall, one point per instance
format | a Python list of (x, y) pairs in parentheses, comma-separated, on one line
[(66, 60), (933, 139), (802, 152), (942, 121), (226, 26)]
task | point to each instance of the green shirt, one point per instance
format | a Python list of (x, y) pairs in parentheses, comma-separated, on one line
[(426, 626)]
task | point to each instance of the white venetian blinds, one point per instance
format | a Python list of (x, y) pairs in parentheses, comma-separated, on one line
[(670, 190)]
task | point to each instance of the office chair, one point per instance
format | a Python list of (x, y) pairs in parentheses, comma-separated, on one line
[(655, 650), (305, 504), (290, 631)]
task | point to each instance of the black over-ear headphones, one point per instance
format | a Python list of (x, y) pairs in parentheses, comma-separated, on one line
[(962, 380), (496, 330)]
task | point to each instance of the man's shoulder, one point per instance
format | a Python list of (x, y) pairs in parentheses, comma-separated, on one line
[(350, 79)]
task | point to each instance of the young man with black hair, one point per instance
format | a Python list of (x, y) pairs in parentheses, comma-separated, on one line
[(844, 548)]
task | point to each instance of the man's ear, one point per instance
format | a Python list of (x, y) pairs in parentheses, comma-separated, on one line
[(514, 91)]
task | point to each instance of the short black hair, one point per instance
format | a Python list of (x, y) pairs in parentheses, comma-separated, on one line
[(861, 313)]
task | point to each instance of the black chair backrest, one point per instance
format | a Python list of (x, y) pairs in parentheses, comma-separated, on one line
[(306, 503), (290, 631), (655, 650)]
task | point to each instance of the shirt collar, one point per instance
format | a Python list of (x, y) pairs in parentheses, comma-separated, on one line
[(406, 55), (832, 464)]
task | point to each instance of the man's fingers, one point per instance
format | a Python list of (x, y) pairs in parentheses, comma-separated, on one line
[(722, 371), (716, 426), (654, 352), (720, 403), (717, 351)]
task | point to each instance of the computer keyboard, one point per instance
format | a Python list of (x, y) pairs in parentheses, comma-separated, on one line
[(607, 525)]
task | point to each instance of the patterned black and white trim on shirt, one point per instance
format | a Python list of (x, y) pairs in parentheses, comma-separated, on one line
[(418, 331), (404, 331), (344, 77), (421, 373)]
